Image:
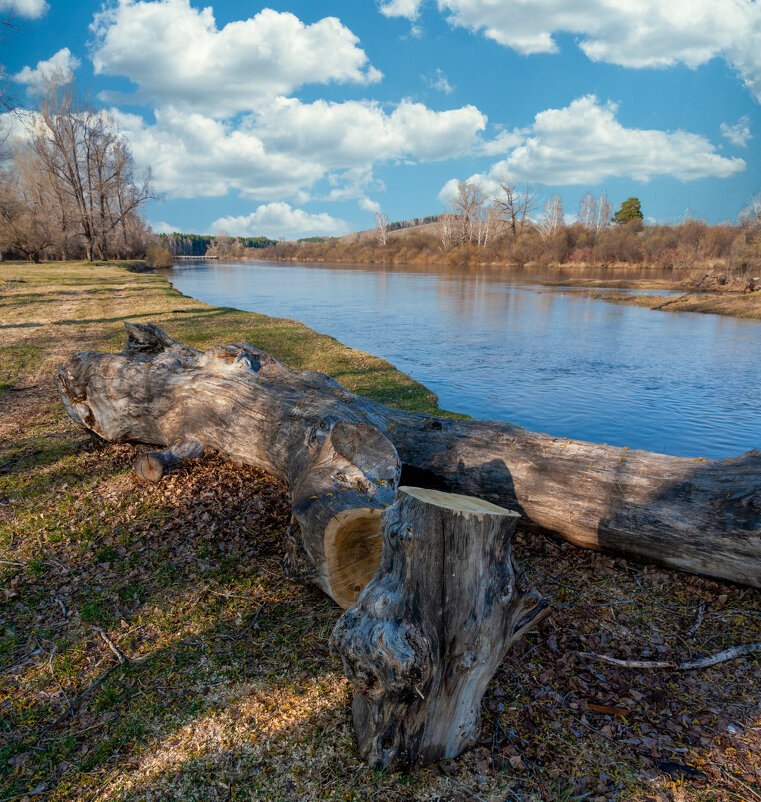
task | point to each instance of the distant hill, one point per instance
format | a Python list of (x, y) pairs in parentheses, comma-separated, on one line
[(400, 228), (196, 244)]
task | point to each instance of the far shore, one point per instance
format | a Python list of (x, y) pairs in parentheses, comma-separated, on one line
[(742, 305), (710, 297)]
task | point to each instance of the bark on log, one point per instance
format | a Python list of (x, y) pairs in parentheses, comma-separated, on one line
[(432, 626), (698, 515), (342, 472)]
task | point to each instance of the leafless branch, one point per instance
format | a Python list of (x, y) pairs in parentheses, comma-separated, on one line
[(381, 220), (120, 656), (691, 665), (517, 203)]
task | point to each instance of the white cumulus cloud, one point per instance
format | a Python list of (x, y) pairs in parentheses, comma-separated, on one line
[(409, 9), (584, 144), (176, 55), (33, 9), (502, 142), (62, 64), (369, 205), (289, 146), (355, 132), (192, 156), (280, 219), (631, 33), (162, 227), (738, 134)]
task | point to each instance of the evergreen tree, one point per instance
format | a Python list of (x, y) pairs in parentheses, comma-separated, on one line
[(631, 209)]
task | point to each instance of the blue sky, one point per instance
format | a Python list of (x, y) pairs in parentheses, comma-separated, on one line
[(298, 118)]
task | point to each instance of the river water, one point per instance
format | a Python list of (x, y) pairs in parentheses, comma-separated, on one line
[(496, 344)]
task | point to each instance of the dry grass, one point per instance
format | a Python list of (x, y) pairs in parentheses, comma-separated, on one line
[(743, 305), (49, 311), (228, 691)]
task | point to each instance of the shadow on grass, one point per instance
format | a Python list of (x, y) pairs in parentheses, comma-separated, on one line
[(262, 632), (239, 698)]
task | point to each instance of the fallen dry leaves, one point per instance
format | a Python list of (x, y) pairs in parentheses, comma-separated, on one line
[(227, 690)]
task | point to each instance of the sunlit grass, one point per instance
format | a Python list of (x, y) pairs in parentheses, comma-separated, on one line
[(60, 308)]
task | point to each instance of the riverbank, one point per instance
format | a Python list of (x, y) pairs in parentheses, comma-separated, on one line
[(741, 305), (227, 690), (714, 300), (54, 309)]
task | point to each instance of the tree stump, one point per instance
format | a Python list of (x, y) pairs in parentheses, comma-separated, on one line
[(432, 626)]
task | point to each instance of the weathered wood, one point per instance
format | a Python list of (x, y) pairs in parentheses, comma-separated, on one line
[(337, 502), (432, 626), (152, 465), (342, 473), (698, 515)]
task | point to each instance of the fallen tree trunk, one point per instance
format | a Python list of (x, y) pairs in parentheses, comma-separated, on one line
[(338, 499), (698, 515), (432, 626)]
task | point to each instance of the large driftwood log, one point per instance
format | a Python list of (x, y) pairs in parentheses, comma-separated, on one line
[(699, 515), (432, 626)]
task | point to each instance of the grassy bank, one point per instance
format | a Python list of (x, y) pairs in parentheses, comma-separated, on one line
[(151, 649), (743, 305), (714, 299), (52, 310)]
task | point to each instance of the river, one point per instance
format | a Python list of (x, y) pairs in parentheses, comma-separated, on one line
[(496, 344)]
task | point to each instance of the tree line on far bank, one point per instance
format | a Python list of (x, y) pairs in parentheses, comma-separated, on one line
[(518, 225)]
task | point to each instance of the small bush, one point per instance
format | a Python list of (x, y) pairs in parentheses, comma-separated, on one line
[(745, 256), (157, 255)]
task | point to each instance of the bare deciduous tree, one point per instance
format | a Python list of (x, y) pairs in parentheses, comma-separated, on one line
[(221, 245), (468, 204), (6, 100), (587, 214), (594, 213), (447, 225), (517, 203), (751, 214), (381, 220), (88, 168), (491, 223), (469, 215), (25, 228), (553, 219), (604, 212)]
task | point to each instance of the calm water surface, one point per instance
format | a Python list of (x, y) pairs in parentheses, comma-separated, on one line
[(498, 345)]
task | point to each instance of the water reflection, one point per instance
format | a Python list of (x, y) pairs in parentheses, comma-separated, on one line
[(495, 344)]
